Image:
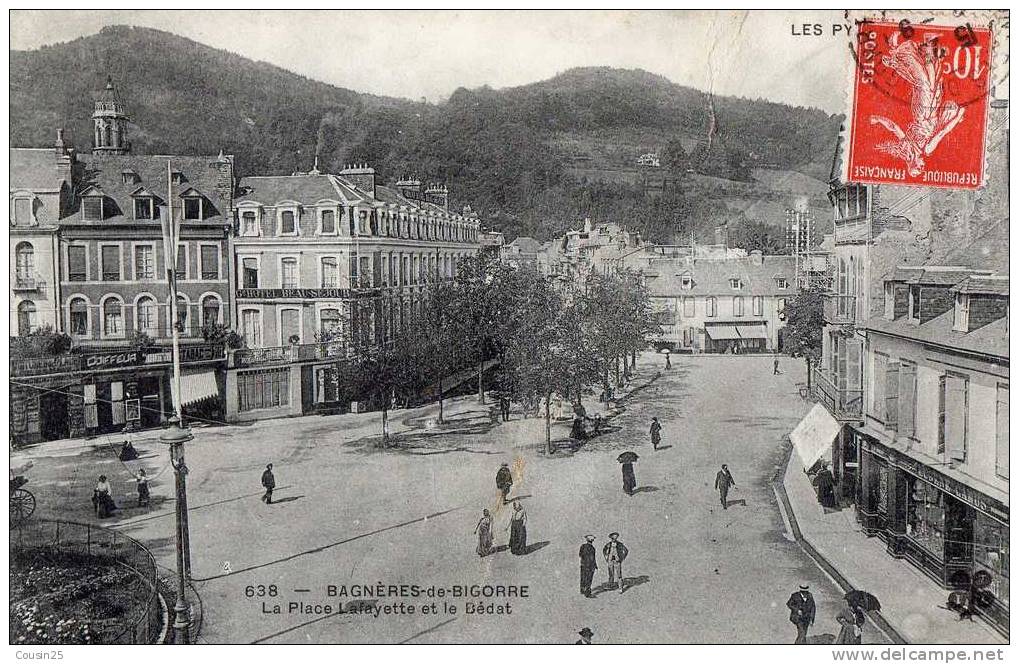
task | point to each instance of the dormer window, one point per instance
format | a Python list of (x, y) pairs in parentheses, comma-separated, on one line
[(22, 210), (144, 208), (177, 177), (782, 282), (92, 208), (193, 204), (961, 323), (130, 177), (736, 284), (686, 282)]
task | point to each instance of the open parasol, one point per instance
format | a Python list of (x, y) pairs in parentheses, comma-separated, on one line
[(627, 457), (863, 600)]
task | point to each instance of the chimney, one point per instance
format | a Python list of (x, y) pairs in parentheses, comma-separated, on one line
[(437, 194), (224, 167), (587, 224), (757, 257), (361, 176), (410, 188)]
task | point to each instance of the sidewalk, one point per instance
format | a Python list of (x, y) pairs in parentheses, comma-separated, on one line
[(909, 600)]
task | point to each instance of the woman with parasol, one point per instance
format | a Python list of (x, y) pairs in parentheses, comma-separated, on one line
[(629, 479), (518, 530)]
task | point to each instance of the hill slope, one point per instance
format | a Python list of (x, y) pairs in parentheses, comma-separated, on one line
[(511, 153)]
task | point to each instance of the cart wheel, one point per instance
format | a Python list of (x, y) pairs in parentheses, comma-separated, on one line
[(22, 505)]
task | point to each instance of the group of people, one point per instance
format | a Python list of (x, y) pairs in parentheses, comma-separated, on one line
[(517, 528), (614, 552), (102, 494), (802, 612)]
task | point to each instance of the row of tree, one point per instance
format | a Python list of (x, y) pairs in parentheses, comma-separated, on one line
[(544, 339)]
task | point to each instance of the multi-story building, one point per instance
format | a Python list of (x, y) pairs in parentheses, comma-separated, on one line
[(325, 261), (933, 445), (719, 305), (40, 194), (112, 287)]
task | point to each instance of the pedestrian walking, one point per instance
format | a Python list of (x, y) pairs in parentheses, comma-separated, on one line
[(143, 488), (824, 481), (269, 482), (629, 478), (801, 611), (518, 530), (724, 482), (585, 637), (504, 481), (656, 432), (615, 553), (102, 498), (775, 371), (598, 422), (850, 619), (504, 405), (484, 533), (588, 564), (668, 361)]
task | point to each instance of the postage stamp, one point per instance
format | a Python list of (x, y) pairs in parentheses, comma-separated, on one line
[(919, 108)]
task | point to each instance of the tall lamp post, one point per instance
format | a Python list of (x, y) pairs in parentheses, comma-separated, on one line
[(176, 435)]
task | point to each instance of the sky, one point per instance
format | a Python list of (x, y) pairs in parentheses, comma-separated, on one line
[(428, 54)]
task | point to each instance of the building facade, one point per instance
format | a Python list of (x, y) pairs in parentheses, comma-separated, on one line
[(324, 262)]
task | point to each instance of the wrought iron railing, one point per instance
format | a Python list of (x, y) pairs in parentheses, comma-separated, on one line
[(843, 404), (839, 309)]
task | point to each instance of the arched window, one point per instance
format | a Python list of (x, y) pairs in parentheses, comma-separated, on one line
[(78, 323), (24, 261), (330, 325), (210, 310), (146, 315), (26, 318), (113, 318)]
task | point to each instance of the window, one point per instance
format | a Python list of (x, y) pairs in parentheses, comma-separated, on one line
[(782, 282), (181, 269), (288, 223), (737, 306), (209, 261), (144, 208), (146, 315), (365, 271), (27, 322), (249, 272), (288, 272), (113, 318), (780, 305), (249, 223), (891, 414), (953, 403), (906, 422), (251, 327), (92, 208), (78, 323), (710, 307), (264, 388), (24, 262), (328, 222), (210, 311), (1001, 433), (193, 208), (405, 278), (176, 177), (878, 382), (686, 282), (961, 323), (758, 304), (23, 211), (330, 325), (689, 307), (914, 302), (330, 273), (144, 262), (130, 177), (736, 284), (111, 262)]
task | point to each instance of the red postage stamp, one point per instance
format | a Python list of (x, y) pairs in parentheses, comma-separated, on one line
[(920, 105)]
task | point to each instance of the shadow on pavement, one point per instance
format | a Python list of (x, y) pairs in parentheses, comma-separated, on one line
[(287, 499), (824, 639), (645, 489), (537, 546)]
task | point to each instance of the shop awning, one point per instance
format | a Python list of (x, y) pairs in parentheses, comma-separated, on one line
[(813, 436), (752, 331), (722, 332), (196, 387)]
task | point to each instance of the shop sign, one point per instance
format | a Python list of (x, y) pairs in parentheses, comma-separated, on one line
[(119, 359), (38, 366), (958, 489), (131, 358), (256, 356), (302, 293)]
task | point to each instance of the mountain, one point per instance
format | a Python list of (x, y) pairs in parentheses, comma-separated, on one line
[(534, 158)]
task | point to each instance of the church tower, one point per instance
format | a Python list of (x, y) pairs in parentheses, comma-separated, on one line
[(109, 123)]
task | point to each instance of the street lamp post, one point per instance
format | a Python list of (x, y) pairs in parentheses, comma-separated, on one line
[(175, 437)]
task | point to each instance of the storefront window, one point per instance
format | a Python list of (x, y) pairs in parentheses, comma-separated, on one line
[(882, 489), (990, 552), (926, 522)]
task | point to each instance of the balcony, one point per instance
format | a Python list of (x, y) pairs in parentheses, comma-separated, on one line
[(839, 309), (844, 405), (27, 281), (331, 350), (852, 231)]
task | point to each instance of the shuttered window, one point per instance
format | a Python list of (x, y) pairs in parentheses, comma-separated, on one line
[(954, 391), (878, 382), (210, 262), (182, 262), (1001, 439), (892, 395), (111, 263), (907, 399), (76, 270)]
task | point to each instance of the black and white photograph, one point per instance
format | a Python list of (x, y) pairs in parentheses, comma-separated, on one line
[(491, 327)]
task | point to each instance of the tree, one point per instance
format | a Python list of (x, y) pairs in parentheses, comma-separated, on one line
[(804, 327), (753, 235), (43, 342)]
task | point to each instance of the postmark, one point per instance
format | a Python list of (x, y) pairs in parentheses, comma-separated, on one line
[(919, 106)]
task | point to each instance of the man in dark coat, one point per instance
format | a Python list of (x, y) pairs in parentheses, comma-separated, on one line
[(269, 482), (585, 637), (801, 611), (588, 564), (723, 482), (656, 432), (775, 371), (504, 481)]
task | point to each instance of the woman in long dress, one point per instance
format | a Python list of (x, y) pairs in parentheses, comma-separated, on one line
[(484, 531), (850, 620), (518, 530), (103, 497), (629, 479)]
